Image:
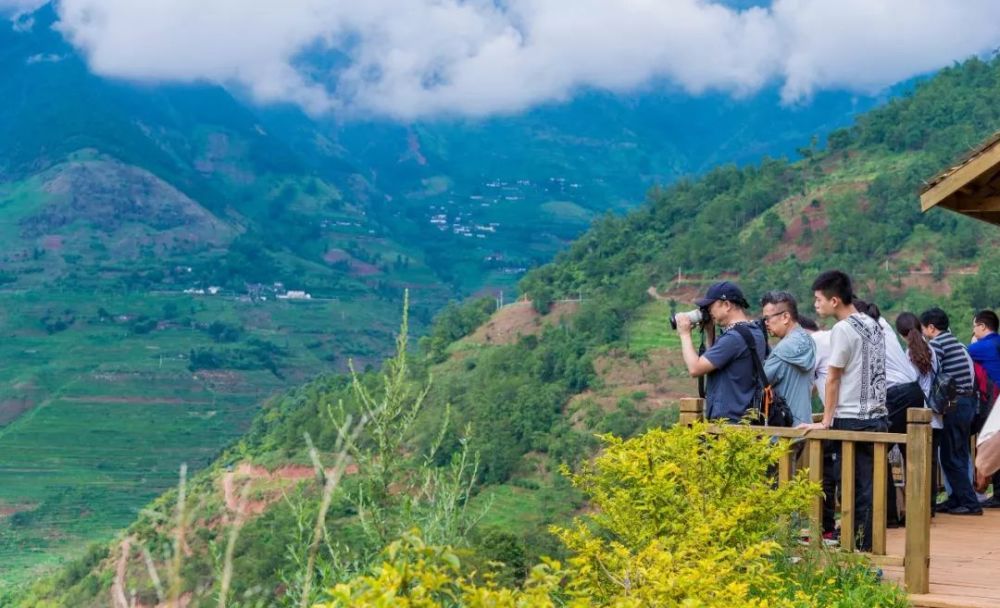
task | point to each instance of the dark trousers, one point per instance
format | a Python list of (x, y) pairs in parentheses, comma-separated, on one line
[(955, 453), (863, 475), (898, 400)]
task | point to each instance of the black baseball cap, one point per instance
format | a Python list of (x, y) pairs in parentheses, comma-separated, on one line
[(725, 291)]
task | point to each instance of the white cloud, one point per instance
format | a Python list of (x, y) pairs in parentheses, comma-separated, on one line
[(16, 7), (45, 58), (413, 58)]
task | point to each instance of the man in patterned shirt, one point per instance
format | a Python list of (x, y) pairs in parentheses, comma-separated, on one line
[(954, 360), (855, 385)]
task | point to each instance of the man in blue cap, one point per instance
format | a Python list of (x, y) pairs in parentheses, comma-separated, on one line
[(727, 364)]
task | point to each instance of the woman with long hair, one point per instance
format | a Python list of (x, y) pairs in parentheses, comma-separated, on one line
[(924, 361), (918, 351)]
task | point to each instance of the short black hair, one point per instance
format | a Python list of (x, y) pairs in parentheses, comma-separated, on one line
[(782, 297), (835, 284), (936, 317), (808, 324), (988, 318)]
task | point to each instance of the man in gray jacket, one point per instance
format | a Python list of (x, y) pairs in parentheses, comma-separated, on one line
[(790, 366)]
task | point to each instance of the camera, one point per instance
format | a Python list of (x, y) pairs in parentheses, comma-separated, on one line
[(698, 318)]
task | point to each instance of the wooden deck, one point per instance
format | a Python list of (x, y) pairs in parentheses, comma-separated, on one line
[(965, 561)]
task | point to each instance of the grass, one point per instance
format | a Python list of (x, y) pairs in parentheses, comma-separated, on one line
[(522, 509), (651, 329)]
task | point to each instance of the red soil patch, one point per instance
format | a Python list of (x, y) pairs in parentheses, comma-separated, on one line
[(335, 255), (363, 269), (358, 268), (135, 400), (660, 376), (52, 242), (816, 217), (512, 322), (252, 474), (8, 510), (11, 410), (413, 146)]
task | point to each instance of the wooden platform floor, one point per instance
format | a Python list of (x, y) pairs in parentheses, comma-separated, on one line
[(965, 561)]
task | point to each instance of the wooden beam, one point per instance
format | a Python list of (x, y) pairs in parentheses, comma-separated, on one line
[(968, 204), (960, 177), (831, 434), (888, 560)]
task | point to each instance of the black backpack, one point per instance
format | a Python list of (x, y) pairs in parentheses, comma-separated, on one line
[(767, 407), (943, 397)]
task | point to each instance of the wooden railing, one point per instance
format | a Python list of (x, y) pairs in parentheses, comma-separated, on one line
[(917, 439)]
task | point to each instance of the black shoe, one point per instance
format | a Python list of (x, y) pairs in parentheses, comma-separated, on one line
[(944, 506), (990, 503), (963, 511)]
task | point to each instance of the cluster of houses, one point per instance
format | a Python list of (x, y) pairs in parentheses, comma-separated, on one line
[(499, 191), (256, 292)]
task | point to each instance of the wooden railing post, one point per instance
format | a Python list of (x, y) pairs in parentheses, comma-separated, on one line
[(814, 456), (880, 488), (918, 500), (848, 516), (692, 410)]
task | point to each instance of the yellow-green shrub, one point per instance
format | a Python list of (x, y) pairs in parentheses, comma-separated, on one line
[(682, 518)]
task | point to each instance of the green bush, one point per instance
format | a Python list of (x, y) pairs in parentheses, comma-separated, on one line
[(683, 517)]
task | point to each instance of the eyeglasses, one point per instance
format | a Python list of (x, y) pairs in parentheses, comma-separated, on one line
[(767, 318)]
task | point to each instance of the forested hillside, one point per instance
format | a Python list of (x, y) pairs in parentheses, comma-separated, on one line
[(474, 460), (175, 254)]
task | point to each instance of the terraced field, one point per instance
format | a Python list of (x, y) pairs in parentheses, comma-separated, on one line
[(99, 415)]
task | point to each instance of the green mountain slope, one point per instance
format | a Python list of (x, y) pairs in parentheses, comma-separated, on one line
[(150, 236), (526, 392)]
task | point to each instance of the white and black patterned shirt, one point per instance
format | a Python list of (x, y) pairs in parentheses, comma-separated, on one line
[(858, 347)]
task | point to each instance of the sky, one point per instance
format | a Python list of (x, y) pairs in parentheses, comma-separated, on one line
[(410, 59)]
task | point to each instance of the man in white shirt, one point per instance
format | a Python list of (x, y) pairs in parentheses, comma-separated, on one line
[(856, 385)]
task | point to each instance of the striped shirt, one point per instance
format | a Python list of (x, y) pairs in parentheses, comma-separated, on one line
[(955, 360)]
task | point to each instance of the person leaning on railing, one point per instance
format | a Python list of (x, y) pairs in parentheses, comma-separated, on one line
[(790, 365), (855, 387)]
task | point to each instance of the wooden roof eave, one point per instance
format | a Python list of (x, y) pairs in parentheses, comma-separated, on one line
[(957, 188)]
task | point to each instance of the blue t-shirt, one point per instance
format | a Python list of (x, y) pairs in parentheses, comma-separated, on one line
[(730, 388), (986, 352)]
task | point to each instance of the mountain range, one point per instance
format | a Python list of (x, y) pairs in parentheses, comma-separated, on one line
[(494, 406), (175, 255)]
